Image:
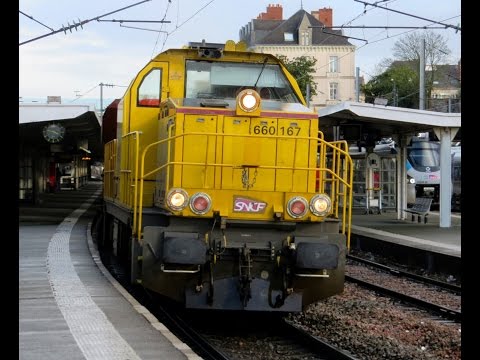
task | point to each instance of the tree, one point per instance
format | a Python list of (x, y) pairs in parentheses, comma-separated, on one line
[(399, 84), (408, 48), (401, 74), (302, 69)]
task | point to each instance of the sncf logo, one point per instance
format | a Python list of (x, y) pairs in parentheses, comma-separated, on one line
[(248, 205)]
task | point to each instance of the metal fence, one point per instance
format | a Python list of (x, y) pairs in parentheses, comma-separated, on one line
[(444, 105)]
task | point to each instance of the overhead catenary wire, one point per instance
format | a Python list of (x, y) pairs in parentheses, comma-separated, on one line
[(339, 35), (457, 28), (85, 93), (161, 29), (191, 17), (378, 27), (101, 85), (183, 23), (137, 28), (31, 17), (81, 23), (136, 21)]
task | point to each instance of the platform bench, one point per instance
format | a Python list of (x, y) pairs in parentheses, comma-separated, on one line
[(420, 208)]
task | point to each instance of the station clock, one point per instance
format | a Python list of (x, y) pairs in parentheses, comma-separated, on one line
[(53, 132)]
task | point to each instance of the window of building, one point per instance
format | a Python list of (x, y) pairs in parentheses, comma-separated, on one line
[(288, 36), (333, 64), (333, 91), (149, 89), (305, 38)]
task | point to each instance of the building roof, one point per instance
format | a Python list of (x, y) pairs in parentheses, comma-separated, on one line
[(272, 32), (446, 76), (268, 25)]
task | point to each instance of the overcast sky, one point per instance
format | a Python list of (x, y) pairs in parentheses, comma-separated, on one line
[(75, 63)]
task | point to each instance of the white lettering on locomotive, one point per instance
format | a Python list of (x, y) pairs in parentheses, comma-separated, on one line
[(248, 205)]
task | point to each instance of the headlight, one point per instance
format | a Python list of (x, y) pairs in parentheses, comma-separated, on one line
[(200, 203), (248, 100), (297, 207), (411, 181), (320, 205), (177, 199)]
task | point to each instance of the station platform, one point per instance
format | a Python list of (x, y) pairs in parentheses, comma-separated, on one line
[(70, 307), (429, 236)]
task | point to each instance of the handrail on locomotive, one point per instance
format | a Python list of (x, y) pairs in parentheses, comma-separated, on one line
[(339, 152)]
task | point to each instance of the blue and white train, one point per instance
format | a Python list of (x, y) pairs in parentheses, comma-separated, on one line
[(456, 178), (423, 164)]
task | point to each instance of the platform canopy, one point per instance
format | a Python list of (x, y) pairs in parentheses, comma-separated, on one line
[(365, 124), (385, 121), (81, 122)]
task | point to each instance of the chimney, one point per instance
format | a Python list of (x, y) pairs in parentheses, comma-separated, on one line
[(325, 16), (274, 12)]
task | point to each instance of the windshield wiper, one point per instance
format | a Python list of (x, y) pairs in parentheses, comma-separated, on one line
[(261, 71)]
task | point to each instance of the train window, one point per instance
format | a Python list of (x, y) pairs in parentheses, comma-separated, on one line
[(424, 157), (457, 173), (222, 80), (149, 89)]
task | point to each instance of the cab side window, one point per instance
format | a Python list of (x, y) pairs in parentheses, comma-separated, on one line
[(149, 89)]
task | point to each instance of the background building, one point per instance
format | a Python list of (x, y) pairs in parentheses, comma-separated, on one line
[(445, 95), (442, 83), (303, 35)]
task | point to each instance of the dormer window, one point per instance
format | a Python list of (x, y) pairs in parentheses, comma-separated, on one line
[(288, 36)]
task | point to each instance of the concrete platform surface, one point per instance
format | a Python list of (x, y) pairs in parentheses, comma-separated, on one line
[(69, 305), (429, 236)]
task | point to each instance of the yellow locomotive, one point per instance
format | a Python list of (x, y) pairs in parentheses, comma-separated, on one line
[(220, 192)]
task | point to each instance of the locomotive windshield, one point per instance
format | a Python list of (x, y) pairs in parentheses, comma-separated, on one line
[(223, 80)]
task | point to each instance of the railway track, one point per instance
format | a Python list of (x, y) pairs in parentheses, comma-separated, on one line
[(398, 272), (265, 336), (415, 260), (374, 282), (222, 336), (438, 309)]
